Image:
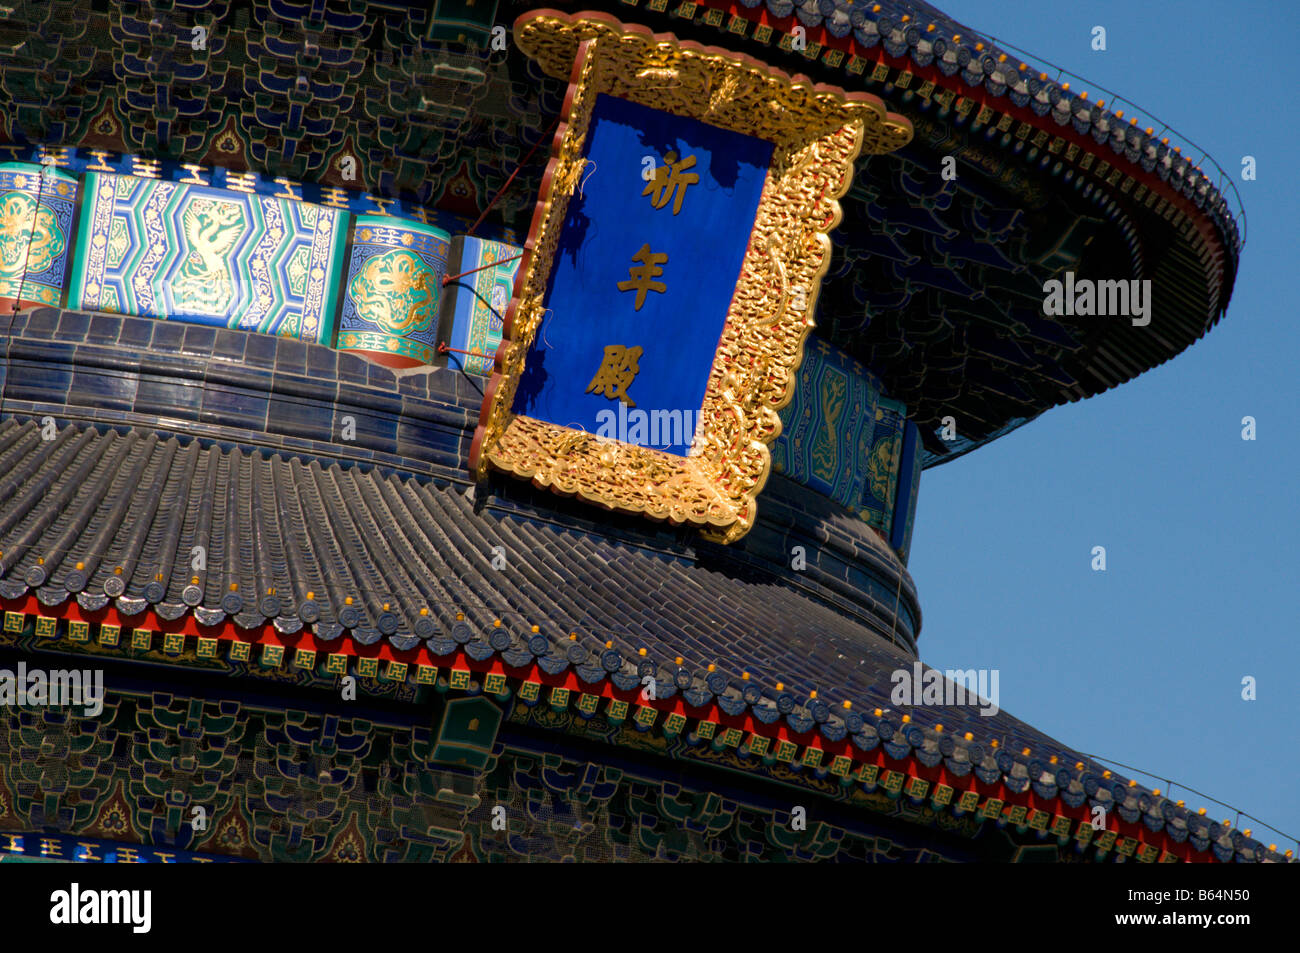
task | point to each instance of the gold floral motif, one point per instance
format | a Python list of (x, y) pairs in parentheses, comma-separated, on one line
[(817, 132), (30, 238), (395, 291)]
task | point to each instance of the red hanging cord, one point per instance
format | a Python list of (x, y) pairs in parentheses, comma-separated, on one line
[(512, 176), (448, 279)]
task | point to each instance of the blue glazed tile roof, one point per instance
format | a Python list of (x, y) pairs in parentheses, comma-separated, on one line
[(104, 518)]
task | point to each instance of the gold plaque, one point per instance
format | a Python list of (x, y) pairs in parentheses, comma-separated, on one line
[(816, 133)]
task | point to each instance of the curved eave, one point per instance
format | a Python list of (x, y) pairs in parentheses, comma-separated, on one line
[(1144, 186)]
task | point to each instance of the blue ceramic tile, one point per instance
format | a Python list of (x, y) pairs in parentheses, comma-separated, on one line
[(107, 355), (382, 378), (110, 390), (168, 336), (260, 350), (417, 440), (230, 345), (42, 351), (165, 397), (441, 385), (353, 370), (414, 385), (199, 340), (163, 364), (321, 362), (228, 407), (104, 328), (39, 382), (469, 391), (300, 418), (73, 326), (291, 357), (42, 322), (238, 375), (136, 333)]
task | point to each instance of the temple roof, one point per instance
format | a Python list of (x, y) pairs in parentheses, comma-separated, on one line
[(113, 519), (936, 284), (286, 541)]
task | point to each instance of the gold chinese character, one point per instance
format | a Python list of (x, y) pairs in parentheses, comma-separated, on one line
[(641, 277), (616, 373), (670, 182)]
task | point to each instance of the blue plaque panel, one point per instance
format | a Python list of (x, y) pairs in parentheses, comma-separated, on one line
[(648, 261)]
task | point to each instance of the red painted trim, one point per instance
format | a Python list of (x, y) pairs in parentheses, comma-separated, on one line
[(396, 361), (748, 723)]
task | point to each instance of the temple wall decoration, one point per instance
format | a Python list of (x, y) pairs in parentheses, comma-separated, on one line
[(208, 256), (881, 456), (677, 291), (37, 210), (843, 438), (908, 488), (475, 306), (238, 250), (393, 291)]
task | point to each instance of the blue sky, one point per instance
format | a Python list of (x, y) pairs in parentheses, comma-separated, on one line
[(1143, 663)]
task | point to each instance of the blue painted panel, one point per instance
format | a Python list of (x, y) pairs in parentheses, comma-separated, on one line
[(37, 206), (909, 482), (701, 224), (480, 300)]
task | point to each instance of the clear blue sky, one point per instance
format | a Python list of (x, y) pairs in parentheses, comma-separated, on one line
[(1143, 663)]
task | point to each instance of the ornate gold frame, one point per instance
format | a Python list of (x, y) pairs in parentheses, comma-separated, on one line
[(818, 131)]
